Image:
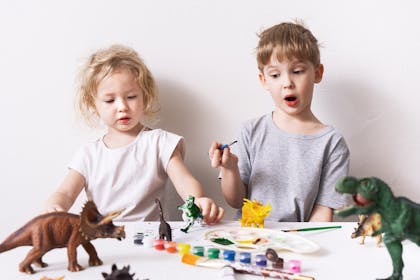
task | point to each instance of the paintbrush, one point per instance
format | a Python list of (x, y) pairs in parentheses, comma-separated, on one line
[(243, 268), (309, 229)]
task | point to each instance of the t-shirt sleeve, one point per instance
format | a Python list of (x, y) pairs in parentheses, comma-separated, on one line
[(80, 163), (167, 143), (241, 150), (335, 168)]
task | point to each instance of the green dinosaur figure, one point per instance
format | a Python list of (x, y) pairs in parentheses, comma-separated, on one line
[(190, 213), (400, 217)]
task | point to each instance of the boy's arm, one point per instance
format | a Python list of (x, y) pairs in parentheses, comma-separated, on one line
[(185, 184), (321, 213), (233, 188), (63, 198)]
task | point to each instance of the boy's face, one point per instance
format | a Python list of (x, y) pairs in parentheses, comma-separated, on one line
[(291, 84), (119, 101)]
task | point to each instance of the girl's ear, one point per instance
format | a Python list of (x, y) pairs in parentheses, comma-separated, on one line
[(319, 71)]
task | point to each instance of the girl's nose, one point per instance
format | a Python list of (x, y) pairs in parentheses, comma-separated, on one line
[(122, 105)]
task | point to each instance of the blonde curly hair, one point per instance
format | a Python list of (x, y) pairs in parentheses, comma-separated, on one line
[(105, 62)]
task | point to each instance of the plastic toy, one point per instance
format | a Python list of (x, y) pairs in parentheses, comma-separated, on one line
[(59, 229), (253, 213), (400, 217), (190, 213), (119, 274), (366, 226), (165, 231)]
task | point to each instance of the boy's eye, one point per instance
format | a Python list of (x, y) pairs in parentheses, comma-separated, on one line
[(274, 75), (298, 71)]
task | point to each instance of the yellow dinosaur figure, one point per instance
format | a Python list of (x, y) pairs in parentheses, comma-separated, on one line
[(253, 213), (367, 225)]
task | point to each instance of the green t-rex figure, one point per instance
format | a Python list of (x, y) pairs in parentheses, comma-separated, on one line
[(190, 213), (400, 217)]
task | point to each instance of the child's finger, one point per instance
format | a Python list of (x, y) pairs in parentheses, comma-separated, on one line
[(213, 213), (215, 160)]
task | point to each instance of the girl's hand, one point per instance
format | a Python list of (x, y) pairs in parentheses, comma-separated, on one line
[(209, 209), (222, 158), (54, 208)]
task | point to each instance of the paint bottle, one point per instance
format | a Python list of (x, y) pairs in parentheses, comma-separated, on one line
[(198, 251), (245, 257), (183, 248), (213, 253), (229, 255), (260, 260)]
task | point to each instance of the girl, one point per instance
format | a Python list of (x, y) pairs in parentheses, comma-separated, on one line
[(128, 167)]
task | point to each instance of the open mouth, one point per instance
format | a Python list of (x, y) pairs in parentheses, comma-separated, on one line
[(291, 100), (361, 201)]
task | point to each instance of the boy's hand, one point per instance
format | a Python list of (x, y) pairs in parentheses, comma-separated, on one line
[(209, 209), (222, 158)]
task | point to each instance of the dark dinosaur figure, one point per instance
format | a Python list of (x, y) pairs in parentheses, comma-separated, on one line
[(165, 231), (60, 229), (400, 217), (118, 274)]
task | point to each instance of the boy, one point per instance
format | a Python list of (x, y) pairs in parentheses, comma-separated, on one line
[(287, 158)]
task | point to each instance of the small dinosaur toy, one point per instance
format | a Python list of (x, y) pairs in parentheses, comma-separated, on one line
[(254, 213), (60, 229), (366, 226), (400, 217), (165, 231), (190, 213), (119, 274)]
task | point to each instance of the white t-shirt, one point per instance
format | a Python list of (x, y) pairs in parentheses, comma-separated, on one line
[(129, 177)]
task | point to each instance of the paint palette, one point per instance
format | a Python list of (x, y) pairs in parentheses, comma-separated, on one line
[(245, 239)]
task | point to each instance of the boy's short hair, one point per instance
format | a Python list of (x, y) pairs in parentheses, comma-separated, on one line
[(105, 62), (287, 40)]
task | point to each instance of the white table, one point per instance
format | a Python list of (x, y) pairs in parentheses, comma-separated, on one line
[(340, 257)]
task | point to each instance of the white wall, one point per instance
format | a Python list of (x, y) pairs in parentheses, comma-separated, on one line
[(202, 55)]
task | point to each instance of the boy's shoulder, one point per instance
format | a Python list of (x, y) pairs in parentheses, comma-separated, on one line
[(256, 122)]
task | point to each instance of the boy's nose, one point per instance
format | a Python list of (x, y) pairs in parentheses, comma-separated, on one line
[(287, 82)]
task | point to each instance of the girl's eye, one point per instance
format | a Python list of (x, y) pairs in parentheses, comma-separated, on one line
[(132, 97), (109, 101)]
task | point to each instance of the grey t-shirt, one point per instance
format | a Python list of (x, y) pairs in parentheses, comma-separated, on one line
[(291, 172)]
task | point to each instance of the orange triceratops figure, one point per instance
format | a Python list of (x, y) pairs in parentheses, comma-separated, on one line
[(253, 213)]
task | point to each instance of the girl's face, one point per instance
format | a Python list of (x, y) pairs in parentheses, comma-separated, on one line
[(119, 102)]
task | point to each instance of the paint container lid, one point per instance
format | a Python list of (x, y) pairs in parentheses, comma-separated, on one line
[(245, 257), (198, 251), (213, 253), (148, 241), (183, 248), (260, 260), (138, 238), (293, 266), (159, 244), (170, 246), (229, 255)]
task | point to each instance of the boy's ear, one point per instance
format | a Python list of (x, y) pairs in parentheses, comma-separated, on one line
[(262, 80), (319, 71)]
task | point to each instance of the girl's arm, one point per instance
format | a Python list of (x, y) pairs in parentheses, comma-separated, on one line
[(321, 213), (185, 184), (63, 198), (233, 189)]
